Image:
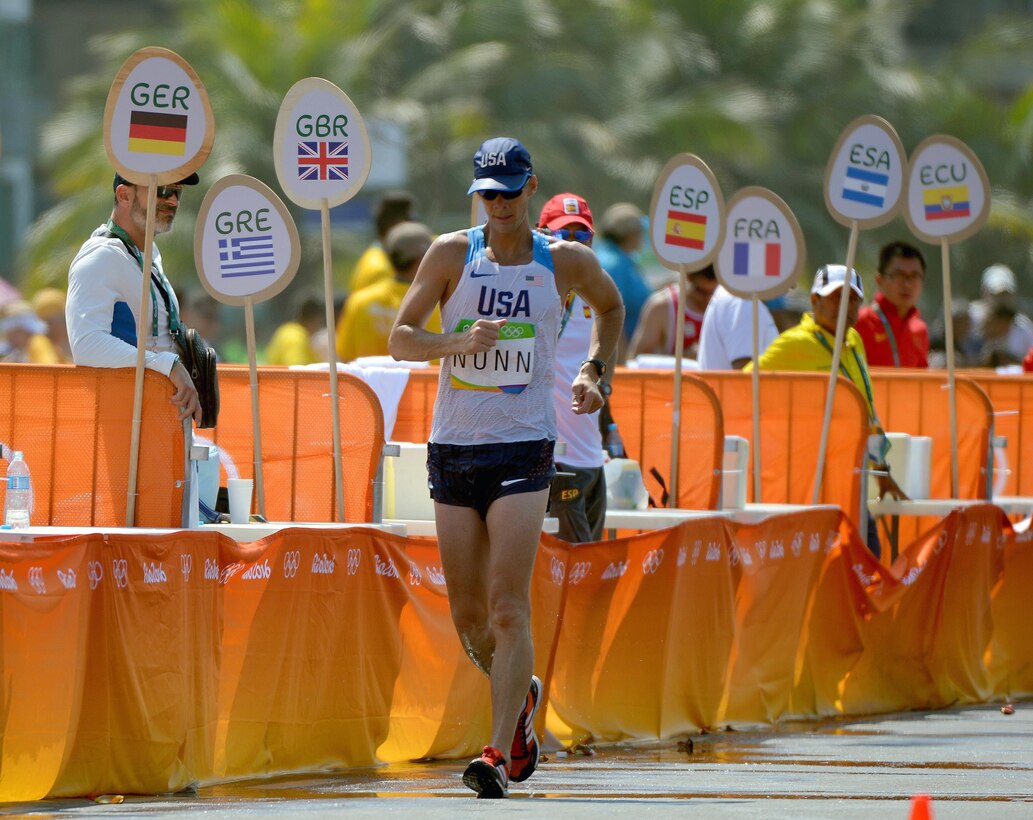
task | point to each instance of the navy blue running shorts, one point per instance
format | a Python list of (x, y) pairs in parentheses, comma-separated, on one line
[(474, 475)]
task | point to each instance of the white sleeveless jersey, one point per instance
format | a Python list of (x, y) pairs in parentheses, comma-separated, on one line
[(504, 394), (579, 432)]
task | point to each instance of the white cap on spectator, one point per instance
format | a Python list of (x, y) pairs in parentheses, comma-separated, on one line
[(998, 279)]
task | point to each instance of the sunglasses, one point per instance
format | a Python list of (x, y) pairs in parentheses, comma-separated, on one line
[(577, 236), (491, 195), (168, 191)]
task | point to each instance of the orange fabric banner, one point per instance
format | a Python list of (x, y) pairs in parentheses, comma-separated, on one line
[(136, 664)]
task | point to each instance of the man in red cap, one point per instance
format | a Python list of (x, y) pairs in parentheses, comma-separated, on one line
[(490, 455), (577, 497)]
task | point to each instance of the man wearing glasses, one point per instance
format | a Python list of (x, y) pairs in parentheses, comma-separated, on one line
[(500, 287), (892, 329), (104, 293)]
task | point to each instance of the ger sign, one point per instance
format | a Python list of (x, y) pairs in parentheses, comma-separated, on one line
[(763, 248), (685, 216), (157, 120), (864, 178), (320, 147), (948, 194), (246, 244)]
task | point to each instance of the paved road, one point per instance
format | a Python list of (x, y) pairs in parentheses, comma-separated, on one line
[(974, 761)]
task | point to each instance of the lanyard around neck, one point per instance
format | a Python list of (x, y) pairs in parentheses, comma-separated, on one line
[(889, 332), (860, 366), (158, 283)]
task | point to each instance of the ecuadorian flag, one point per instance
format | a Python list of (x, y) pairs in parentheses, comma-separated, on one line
[(153, 133), (950, 202), (686, 230)]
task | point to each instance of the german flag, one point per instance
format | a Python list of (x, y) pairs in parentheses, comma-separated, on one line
[(685, 229), (152, 133)]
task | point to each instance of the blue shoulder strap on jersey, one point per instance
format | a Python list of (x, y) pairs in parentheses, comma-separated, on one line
[(475, 243), (542, 254)]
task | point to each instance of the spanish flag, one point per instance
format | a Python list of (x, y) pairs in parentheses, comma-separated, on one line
[(686, 230), (152, 133), (946, 203)]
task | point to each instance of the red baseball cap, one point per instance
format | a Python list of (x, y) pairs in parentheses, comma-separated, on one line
[(563, 210)]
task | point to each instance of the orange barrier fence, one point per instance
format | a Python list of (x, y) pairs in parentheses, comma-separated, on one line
[(141, 664), (73, 425), (1012, 400), (297, 440)]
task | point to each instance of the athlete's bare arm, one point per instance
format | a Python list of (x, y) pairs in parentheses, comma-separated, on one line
[(651, 331), (435, 280), (578, 269)]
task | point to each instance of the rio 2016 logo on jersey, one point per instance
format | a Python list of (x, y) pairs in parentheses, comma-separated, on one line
[(506, 368)]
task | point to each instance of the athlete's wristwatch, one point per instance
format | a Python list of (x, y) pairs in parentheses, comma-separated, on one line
[(600, 366)]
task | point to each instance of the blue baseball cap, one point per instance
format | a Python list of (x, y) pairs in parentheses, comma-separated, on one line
[(500, 164)]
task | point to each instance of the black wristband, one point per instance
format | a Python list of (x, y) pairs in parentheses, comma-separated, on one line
[(600, 366)]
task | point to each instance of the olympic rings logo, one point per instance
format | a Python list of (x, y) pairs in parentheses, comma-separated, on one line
[(557, 570), (511, 331), (120, 572), (580, 571), (95, 572), (354, 556), (291, 563), (36, 580), (651, 562)]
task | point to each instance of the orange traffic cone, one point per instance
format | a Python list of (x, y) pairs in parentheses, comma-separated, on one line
[(921, 807)]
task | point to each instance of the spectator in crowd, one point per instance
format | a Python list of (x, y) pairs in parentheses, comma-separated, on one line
[(370, 313), (291, 344), (621, 234), (998, 287), (726, 338), (24, 335), (1027, 363), (892, 329), (104, 293), (657, 327), (809, 346), (966, 346), (577, 498), (202, 313), (373, 266), (998, 342), (49, 305)]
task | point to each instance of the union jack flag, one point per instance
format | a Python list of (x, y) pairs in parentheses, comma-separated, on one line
[(323, 160)]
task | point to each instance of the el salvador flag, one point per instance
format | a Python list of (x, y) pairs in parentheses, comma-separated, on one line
[(866, 187)]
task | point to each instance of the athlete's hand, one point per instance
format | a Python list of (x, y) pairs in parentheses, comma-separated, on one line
[(482, 335), (586, 397)]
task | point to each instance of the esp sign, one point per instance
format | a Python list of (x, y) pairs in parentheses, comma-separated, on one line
[(948, 193), (157, 120), (763, 250), (864, 178), (685, 217), (246, 245), (320, 147)]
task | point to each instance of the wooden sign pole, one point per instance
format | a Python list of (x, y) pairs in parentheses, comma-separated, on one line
[(256, 424), (679, 353), (143, 332), (837, 350), (948, 324), (331, 357), (755, 376)]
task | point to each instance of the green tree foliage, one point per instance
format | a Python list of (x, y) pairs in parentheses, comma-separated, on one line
[(602, 92)]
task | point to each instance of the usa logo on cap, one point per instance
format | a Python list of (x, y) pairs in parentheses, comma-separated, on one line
[(570, 206)]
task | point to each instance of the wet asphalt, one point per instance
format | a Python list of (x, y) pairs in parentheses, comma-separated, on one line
[(973, 762)]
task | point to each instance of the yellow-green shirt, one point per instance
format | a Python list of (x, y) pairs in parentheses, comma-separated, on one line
[(290, 345), (800, 348), (373, 266), (368, 317)]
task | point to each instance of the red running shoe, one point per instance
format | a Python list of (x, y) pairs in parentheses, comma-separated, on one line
[(523, 757), (487, 774)]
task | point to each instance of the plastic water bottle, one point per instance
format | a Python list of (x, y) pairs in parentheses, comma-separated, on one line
[(18, 500), (614, 443)]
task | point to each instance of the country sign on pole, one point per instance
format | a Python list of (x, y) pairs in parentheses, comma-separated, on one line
[(686, 214), (157, 120), (864, 178), (948, 193), (246, 244), (320, 147), (763, 250)]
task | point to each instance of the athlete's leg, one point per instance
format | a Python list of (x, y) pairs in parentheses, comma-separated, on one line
[(514, 529), (463, 543)]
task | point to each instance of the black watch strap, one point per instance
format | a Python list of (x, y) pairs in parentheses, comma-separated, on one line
[(600, 366)]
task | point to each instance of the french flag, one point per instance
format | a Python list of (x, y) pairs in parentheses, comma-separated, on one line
[(757, 259)]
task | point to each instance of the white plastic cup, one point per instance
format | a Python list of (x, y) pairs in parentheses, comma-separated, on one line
[(239, 490)]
